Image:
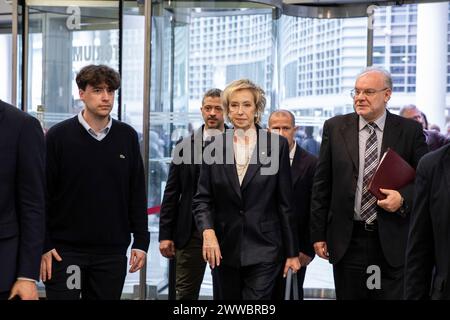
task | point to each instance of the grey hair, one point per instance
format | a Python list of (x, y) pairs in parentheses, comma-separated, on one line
[(384, 72), (406, 108)]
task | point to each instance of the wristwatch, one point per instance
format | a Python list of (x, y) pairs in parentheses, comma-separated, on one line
[(403, 208)]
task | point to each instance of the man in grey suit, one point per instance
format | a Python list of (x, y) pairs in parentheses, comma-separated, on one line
[(22, 198), (363, 237)]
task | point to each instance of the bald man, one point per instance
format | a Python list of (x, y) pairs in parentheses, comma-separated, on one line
[(364, 238), (303, 165)]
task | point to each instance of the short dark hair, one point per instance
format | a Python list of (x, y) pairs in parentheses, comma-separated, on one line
[(212, 93), (95, 75)]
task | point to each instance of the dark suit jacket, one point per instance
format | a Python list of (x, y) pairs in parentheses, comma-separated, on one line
[(176, 218), (335, 181), (22, 204), (429, 241), (302, 170), (253, 222)]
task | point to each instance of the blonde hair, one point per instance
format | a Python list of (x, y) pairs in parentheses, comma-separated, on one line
[(245, 84)]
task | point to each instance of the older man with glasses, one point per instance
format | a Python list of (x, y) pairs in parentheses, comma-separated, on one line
[(364, 238)]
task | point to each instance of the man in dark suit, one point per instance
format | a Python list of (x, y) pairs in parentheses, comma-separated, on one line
[(303, 166), (364, 239), (178, 235), (427, 254), (22, 202)]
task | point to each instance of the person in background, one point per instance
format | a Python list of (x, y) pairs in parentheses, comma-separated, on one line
[(178, 235), (22, 203), (309, 143), (435, 127), (303, 166), (96, 197), (434, 139)]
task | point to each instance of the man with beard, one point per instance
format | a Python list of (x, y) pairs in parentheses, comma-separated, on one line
[(178, 235)]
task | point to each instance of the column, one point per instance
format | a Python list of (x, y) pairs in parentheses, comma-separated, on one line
[(431, 72)]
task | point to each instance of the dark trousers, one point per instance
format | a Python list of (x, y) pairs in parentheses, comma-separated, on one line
[(4, 295), (87, 276), (255, 282), (280, 286), (190, 269), (355, 276)]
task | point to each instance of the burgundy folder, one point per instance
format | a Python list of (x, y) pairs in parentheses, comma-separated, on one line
[(393, 172)]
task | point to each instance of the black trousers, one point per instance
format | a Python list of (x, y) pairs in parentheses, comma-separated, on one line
[(280, 286), (356, 276), (4, 295), (87, 276), (255, 282)]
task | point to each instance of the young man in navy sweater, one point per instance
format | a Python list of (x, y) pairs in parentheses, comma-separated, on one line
[(96, 197)]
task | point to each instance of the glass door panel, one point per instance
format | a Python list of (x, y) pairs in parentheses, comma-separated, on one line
[(61, 40), (198, 45)]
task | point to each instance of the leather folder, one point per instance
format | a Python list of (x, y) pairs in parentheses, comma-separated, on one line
[(393, 172)]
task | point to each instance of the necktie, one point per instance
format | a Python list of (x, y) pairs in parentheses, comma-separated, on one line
[(368, 201)]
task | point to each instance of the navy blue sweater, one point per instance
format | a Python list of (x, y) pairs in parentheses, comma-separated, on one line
[(95, 190)]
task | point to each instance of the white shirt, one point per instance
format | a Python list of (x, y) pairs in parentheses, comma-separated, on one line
[(292, 153), (243, 150), (96, 135)]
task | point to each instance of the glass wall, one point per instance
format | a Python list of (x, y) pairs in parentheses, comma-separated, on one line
[(197, 46), (61, 41), (305, 65), (5, 51)]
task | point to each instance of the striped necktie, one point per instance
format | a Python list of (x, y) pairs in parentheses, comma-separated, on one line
[(368, 210)]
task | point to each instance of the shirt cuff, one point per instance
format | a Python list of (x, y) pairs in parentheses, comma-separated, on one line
[(26, 279)]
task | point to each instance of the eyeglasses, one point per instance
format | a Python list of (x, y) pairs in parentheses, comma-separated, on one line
[(367, 93)]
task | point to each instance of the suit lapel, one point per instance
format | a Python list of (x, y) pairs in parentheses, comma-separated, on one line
[(230, 163), (350, 133), (298, 166), (391, 134), (446, 164)]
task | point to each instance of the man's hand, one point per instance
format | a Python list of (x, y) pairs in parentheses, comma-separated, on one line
[(46, 264), (167, 248), (304, 259), (137, 260), (211, 249), (393, 200), (291, 263), (25, 289), (321, 249)]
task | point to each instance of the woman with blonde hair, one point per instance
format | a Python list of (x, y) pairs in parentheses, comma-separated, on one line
[(243, 203)]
